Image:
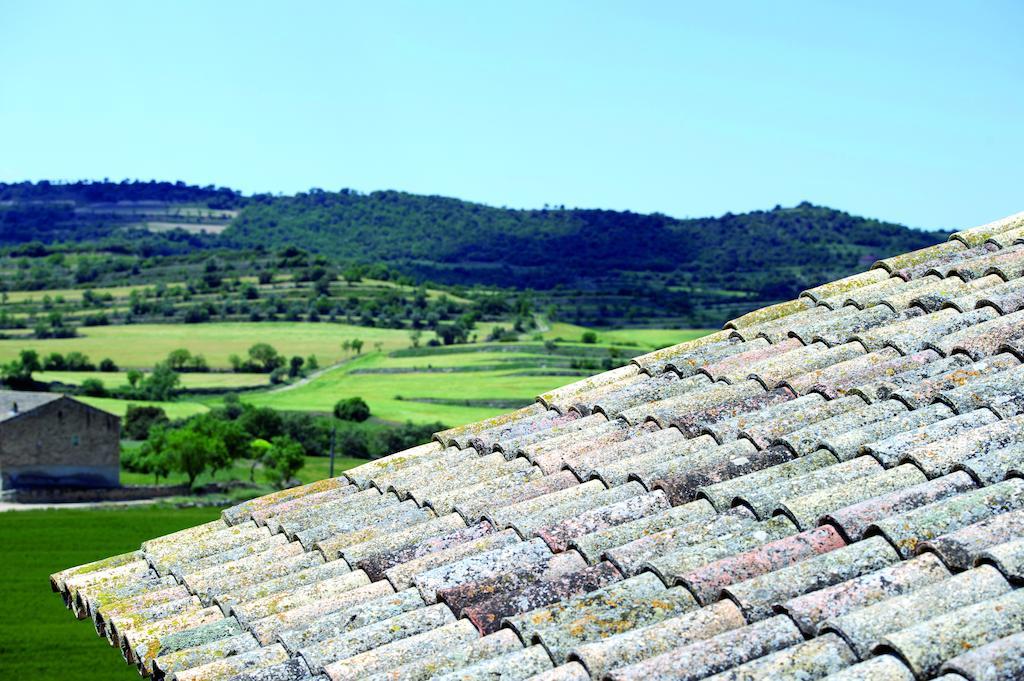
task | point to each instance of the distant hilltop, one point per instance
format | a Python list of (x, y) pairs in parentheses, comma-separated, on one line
[(716, 265)]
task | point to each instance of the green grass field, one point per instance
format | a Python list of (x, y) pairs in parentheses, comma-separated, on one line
[(382, 391), (119, 379), (174, 410), (143, 345), (491, 374), (39, 638)]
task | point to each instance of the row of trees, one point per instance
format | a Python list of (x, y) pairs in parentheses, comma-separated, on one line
[(270, 441)]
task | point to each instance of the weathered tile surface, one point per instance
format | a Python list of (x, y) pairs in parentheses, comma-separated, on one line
[(823, 482)]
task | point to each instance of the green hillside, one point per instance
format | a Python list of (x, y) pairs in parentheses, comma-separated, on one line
[(596, 267)]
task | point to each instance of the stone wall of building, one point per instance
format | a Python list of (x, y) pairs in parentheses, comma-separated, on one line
[(64, 443)]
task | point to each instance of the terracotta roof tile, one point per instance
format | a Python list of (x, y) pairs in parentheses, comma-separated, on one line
[(854, 520), (878, 668), (763, 501), (599, 614), (641, 643), (810, 610), (362, 608), (593, 544), (827, 414), (811, 659), (446, 659), (319, 654), (757, 596), (713, 535), (999, 659), (770, 313), (865, 628), (403, 651), (683, 355), (995, 464), (707, 581), (976, 235), (927, 645), (700, 659), (923, 257), (487, 615), (907, 530)]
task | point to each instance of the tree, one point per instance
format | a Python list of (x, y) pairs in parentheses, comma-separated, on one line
[(352, 409), (265, 356), (312, 364), (191, 452), (151, 457), (295, 366), (134, 376), (283, 459), (140, 420), (108, 365), (414, 336), (589, 337), (357, 345), (159, 385), (18, 373), (178, 359)]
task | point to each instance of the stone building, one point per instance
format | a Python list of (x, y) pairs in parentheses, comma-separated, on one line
[(52, 440)]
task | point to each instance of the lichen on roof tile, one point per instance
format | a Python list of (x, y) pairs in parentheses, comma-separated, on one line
[(816, 435), (809, 660), (699, 659), (846, 284), (770, 313), (994, 464), (961, 548), (758, 596), (319, 654), (854, 520), (641, 643), (878, 668), (976, 235), (445, 659), (402, 651), (921, 257), (676, 355), (864, 628), (514, 666), (682, 479), (1001, 393), (998, 660), (473, 510), (707, 581), (890, 451), (807, 510), (909, 529), (703, 539), (763, 501), (811, 609), (927, 645), (367, 605)]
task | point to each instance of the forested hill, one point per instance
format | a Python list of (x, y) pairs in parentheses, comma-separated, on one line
[(453, 241), (605, 265)]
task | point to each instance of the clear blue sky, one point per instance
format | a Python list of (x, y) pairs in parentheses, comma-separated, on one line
[(909, 111)]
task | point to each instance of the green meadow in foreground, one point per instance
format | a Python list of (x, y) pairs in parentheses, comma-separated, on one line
[(39, 638)]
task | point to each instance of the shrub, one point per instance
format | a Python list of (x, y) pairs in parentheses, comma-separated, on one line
[(352, 409), (589, 337), (93, 387), (108, 365)]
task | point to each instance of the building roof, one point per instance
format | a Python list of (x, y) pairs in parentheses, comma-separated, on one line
[(14, 402), (827, 488)]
